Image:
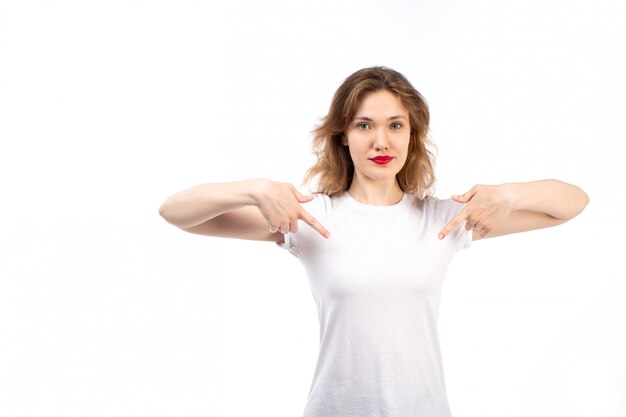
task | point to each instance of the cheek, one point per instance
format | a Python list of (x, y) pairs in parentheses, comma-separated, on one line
[(357, 143), (403, 143)]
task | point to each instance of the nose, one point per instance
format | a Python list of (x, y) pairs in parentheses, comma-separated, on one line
[(382, 140)]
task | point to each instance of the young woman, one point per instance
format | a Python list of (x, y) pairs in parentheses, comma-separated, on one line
[(374, 242)]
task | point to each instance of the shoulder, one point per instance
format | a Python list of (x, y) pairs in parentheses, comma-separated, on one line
[(321, 205), (443, 208)]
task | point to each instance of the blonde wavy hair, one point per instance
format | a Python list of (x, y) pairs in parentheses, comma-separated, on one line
[(334, 164)]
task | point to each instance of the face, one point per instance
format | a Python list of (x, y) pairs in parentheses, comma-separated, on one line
[(380, 128)]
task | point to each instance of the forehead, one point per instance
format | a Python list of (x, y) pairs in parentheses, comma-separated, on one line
[(381, 103)]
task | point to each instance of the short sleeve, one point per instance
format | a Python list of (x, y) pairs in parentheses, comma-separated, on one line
[(468, 238), (319, 207), (446, 210), (289, 245)]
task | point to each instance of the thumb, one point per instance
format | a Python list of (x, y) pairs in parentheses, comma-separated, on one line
[(304, 199), (461, 198)]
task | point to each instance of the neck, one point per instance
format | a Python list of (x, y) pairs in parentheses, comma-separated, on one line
[(376, 193)]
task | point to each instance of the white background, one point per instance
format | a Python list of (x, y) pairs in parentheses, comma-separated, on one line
[(108, 107)]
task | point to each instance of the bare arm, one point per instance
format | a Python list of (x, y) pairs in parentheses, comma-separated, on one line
[(204, 202), (517, 207), (251, 209)]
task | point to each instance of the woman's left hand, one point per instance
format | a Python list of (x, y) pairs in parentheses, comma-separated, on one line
[(487, 206)]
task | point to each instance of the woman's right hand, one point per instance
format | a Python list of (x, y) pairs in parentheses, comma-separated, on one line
[(279, 203)]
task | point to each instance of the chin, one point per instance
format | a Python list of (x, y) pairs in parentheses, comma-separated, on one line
[(387, 177)]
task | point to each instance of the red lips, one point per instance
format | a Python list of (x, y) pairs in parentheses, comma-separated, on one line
[(382, 159)]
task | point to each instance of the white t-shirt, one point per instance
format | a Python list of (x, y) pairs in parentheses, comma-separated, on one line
[(377, 284)]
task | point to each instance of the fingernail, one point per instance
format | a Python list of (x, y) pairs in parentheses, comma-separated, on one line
[(440, 235)]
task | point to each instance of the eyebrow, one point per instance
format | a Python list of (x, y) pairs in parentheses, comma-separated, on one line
[(367, 119)]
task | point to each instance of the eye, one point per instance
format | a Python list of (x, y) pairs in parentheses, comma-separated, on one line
[(359, 125), (399, 125)]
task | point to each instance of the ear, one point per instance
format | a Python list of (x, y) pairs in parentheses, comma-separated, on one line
[(344, 141)]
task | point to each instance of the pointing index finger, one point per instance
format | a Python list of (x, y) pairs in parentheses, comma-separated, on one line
[(451, 225), (312, 221)]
